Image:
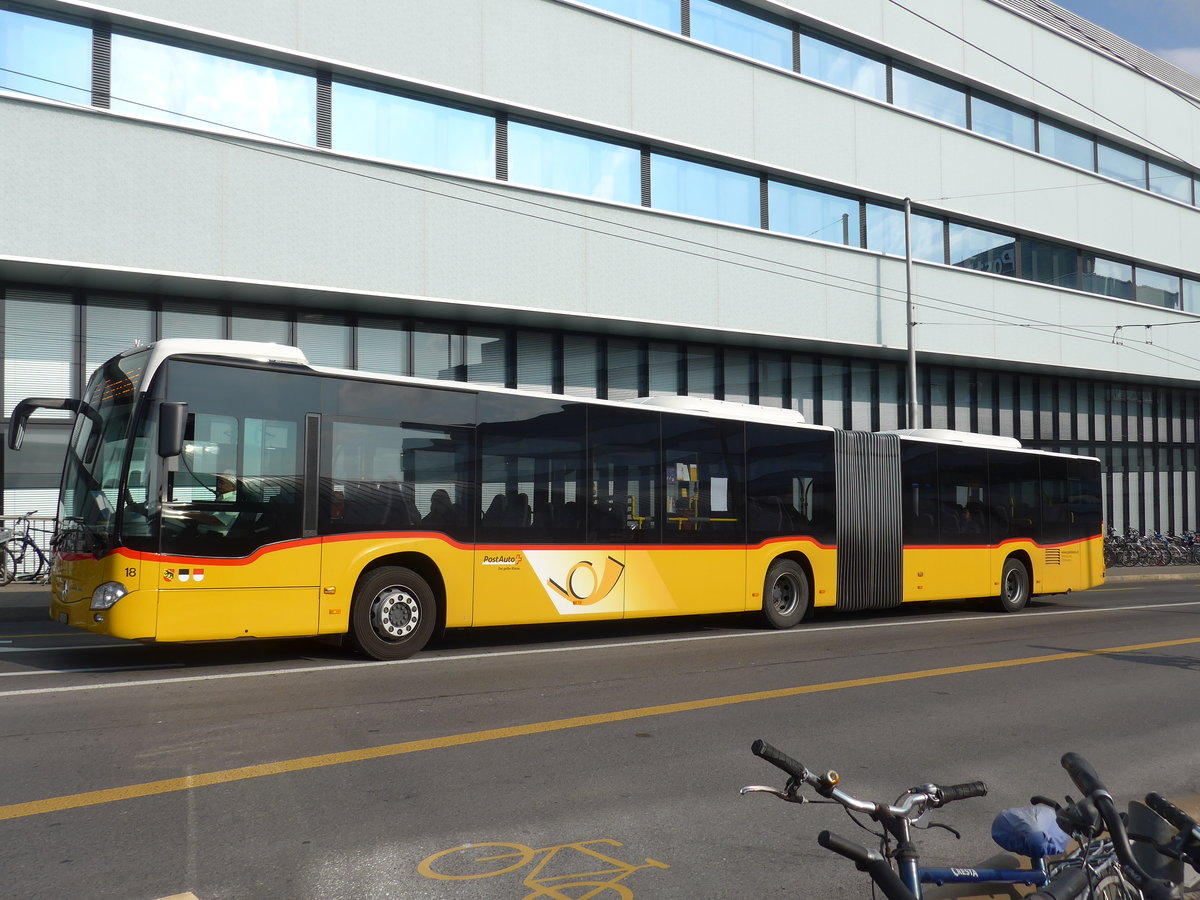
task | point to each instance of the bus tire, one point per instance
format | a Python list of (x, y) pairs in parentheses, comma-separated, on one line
[(787, 594), (1014, 586), (393, 613)]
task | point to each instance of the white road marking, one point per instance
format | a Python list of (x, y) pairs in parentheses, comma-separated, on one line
[(799, 633), (71, 647), (27, 673)]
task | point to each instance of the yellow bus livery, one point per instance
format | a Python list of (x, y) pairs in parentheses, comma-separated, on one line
[(216, 490)]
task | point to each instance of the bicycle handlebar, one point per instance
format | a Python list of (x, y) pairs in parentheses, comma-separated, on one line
[(1089, 782), (1083, 774), (870, 862), (1066, 885), (911, 804), (1185, 846), (954, 792), (779, 759), (1175, 817)]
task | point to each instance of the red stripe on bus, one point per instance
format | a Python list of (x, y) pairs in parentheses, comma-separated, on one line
[(393, 536)]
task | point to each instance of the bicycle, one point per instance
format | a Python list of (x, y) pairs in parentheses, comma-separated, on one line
[(21, 559), (1097, 867)]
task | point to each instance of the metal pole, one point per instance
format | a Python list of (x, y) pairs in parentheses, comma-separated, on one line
[(912, 324)]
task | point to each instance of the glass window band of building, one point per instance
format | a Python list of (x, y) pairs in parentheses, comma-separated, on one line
[(1140, 431), (761, 36), (728, 25), (434, 133), (542, 359)]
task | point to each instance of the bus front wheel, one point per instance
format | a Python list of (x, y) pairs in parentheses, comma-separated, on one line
[(393, 613), (1014, 586), (787, 594)]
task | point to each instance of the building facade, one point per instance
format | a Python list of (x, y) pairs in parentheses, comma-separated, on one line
[(623, 198)]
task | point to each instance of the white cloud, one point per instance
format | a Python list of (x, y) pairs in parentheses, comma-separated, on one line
[(1187, 58)]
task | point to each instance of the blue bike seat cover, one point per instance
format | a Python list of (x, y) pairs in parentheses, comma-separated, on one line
[(1029, 831)]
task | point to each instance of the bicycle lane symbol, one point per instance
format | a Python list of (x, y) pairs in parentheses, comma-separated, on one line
[(599, 875)]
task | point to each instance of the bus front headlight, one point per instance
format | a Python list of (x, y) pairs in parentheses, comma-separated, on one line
[(108, 594)]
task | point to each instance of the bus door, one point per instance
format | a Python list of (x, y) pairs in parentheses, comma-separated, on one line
[(686, 534), (532, 561), (235, 559)]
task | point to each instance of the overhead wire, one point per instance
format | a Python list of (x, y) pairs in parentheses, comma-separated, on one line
[(1050, 87)]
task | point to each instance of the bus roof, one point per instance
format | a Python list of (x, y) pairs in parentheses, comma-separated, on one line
[(724, 408), (948, 435), (255, 351), (263, 352)]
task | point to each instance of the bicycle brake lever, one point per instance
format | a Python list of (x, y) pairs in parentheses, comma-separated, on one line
[(766, 789), (953, 831)]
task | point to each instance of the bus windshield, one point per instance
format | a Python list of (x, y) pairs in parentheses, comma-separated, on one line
[(96, 455)]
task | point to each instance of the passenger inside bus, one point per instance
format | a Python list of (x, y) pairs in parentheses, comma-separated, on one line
[(442, 515)]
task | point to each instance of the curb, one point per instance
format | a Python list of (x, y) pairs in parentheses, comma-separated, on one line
[(1152, 576)]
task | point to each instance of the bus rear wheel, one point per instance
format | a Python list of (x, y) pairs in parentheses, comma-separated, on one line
[(1014, 586), (393, 613), (787, 594)]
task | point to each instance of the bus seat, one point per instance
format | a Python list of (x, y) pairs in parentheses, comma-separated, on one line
[(494, 517)]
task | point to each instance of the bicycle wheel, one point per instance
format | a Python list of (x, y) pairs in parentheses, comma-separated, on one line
[(1114, 887), (476, 861), (41, 567)]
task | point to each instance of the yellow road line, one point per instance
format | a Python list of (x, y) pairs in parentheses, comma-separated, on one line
[(244, 773)]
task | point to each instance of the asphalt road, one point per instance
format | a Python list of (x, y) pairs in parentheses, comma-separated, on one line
[(293, 770)]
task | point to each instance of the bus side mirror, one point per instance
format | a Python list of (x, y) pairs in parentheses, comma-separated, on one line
[(24, 409), (172, 422), (16, 431)]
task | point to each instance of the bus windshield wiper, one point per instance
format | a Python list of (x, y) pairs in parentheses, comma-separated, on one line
[(72, 525)]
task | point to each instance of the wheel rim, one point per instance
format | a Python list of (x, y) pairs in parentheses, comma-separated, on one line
[(1014, 586), (785, 595), (395, 613)]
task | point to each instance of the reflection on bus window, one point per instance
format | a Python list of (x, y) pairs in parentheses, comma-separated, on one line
[(396, 477)]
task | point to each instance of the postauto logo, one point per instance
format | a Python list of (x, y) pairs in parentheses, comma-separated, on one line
[(575, 585)]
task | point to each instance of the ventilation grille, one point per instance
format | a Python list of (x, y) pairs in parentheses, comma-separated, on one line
[(102, 65), (324, 109), (870, 566), (502, 146), (1053, 557), (646, 199)]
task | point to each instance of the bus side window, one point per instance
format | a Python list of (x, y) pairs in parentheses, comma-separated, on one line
[(623, 460), (919, 493), (531, 468), (789, 482)]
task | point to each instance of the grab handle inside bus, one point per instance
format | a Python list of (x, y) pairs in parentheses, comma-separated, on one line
[(172, 425), (24, 409)]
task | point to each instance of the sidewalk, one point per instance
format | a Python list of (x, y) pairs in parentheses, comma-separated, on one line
[(1128, 574)]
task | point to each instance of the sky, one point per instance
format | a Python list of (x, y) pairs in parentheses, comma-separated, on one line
[(1167, 28)]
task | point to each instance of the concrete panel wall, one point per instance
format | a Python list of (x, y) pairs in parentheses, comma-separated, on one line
[(1038, 65), (148, 196), (558, 57)]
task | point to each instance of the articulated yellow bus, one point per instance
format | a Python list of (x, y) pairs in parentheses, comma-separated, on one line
[(223, 489)]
